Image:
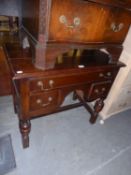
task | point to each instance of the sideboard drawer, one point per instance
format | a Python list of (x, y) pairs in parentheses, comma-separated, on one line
[(87, 22), (45, 102), (117, 25), (98, 90), (43, 84)]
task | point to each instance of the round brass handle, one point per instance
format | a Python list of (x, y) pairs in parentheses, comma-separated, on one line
[(39, 101), (101, 75), (41, 85), (76, 22), (109, 74), (103, 89), (51, 83), (96, 91), (116, 28)]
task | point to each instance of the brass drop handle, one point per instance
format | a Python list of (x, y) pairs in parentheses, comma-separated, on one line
[(51, 83), (103, 89), (108, 75), (96, 91), (39, 102), (40, 85), (101, 75), (116, 28), (76, 22)]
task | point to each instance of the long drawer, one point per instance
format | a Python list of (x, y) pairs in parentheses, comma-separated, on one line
[(42, 84), (87, 22)]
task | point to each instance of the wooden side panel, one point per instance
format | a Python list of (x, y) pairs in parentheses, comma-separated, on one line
[(30, 16), (5, 80)]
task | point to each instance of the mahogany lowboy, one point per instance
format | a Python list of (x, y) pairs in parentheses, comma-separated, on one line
[(74, 46), (38, 92)]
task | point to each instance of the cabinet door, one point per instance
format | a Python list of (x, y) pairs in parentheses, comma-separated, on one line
[(77, 20), (84, 21)]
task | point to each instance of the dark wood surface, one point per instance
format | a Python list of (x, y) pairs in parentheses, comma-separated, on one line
[(5, 78), (5, 85)]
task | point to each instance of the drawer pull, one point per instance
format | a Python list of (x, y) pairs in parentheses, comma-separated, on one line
[(117, 28), (39, 101), (103, 89), (51, 83), (76, 22), (41, 85), (96, 91), (101, 75), (108, 74)]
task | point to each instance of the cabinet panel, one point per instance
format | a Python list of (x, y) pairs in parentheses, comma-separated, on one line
[(5, 80), (87, 22), (117, 25), (79, 23)]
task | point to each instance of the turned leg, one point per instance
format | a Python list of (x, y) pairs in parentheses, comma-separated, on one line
[(97, 108), (25, 127)]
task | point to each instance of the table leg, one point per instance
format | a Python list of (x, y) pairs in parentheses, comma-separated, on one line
[(99, 104), (25, 127)]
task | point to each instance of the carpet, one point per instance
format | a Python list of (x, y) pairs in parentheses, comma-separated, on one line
[(7, 158)]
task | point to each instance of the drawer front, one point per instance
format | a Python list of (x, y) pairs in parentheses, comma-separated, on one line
[(117, 25), (43, 84), (81, 25), (46, 102), (98, 90)]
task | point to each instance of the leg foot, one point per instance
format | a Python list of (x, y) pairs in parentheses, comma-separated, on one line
[(97, 108), (25, 127)]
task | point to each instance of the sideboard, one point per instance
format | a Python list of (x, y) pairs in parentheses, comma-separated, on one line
[(65, 46)]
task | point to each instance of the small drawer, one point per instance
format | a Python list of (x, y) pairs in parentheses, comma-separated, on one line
[(116, 25), (46, 101), (43, 84), (98, 90)]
